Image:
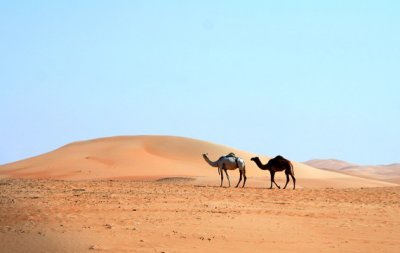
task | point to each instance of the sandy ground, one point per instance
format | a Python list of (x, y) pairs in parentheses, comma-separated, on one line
[(174, 215)]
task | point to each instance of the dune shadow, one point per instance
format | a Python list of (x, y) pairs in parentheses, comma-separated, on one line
[(175, 180)]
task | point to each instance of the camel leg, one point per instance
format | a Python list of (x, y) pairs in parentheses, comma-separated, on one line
[(245, 178), (273, 180), (240, 178), (287, 180), (222, 178), (294, 181), (226, 172)]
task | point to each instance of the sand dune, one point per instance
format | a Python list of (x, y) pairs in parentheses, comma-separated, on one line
[(389, 172), (155, 157)]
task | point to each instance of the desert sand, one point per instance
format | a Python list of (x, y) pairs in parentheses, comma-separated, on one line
[(157, 194), (177, 216)]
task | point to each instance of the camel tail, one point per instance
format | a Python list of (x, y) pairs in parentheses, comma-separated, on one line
[(291, 167)]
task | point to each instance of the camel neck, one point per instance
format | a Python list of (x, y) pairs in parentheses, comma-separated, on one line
[(259, 164), (211, 163)]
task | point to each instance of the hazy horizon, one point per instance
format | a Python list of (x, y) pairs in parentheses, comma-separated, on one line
[(302, 79)]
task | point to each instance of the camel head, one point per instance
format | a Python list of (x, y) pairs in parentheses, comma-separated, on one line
[(255, 158)]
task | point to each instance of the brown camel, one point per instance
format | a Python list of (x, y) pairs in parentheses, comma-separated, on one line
[(277, 164)]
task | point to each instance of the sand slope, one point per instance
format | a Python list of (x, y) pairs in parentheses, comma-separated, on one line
[(389, 172), (155, 157)]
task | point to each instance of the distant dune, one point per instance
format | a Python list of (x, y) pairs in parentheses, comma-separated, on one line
[(330, 164), (158, 157), (389, 172)]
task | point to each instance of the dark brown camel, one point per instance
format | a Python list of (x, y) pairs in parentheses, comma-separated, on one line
[(277, 164)]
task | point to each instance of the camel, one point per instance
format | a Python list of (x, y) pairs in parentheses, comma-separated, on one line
[(275, 165), (228, 162)]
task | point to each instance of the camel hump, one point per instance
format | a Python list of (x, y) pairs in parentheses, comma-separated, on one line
[(231, 155), (280, 157)]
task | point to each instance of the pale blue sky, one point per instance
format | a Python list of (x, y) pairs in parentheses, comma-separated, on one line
[(304, 79)]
